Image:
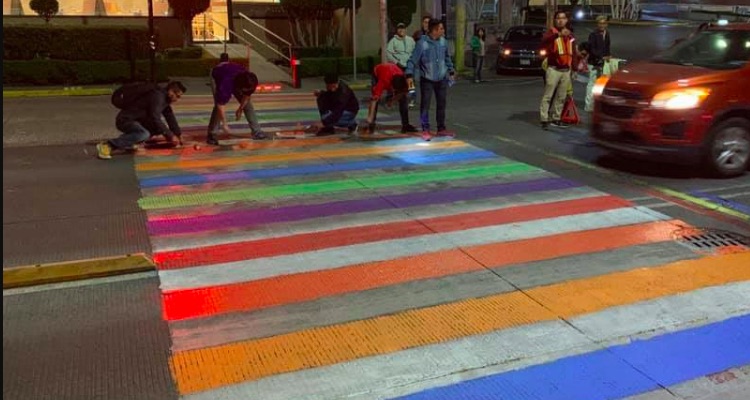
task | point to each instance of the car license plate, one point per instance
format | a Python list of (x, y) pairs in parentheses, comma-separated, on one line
[(525, 61), (610, 128)]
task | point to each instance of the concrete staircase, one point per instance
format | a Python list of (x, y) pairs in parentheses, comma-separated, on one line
[(267, 71)]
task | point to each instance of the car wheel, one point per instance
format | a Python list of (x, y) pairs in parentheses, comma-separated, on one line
[(729, 147)]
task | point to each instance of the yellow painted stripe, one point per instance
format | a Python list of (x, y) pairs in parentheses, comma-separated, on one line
[(75, 270), (209, 368), (284, 157)]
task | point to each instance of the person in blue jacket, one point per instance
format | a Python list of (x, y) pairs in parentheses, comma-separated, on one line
[(436, 70)]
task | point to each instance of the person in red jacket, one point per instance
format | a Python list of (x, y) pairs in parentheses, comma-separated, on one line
[(561, 51), (389, 78)]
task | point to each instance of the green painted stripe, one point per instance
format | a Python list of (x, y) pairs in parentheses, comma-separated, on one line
[(301, 189)]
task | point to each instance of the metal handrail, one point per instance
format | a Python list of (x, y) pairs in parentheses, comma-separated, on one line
[(288, 58), (286, 42), (247, 42)]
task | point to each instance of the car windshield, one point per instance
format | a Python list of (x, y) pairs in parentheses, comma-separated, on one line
[(710, 49), (524, 34)]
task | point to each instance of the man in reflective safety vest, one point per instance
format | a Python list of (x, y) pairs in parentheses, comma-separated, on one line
[(559, 43)]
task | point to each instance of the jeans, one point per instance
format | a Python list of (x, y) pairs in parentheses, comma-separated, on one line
[(348, 119), (250, 116), (478, 65), (441, 90), (403, 106), (132, 133), (594, 74)]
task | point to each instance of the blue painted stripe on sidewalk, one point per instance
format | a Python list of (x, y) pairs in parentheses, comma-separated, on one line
[(398, 160), (619, 371), (743, 208)]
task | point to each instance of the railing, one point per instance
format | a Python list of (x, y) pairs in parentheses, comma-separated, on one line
[(228, 31), (273, 49)]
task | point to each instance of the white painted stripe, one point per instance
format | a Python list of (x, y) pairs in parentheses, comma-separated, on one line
[(243, 271), (413, 370), (190, 241)]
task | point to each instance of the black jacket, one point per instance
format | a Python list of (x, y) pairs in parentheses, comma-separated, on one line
[(148, 111), (598, 48), (343, 99)]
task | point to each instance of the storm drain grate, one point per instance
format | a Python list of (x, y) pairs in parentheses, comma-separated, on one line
[(712, 239)]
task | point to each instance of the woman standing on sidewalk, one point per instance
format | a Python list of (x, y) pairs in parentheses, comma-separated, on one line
[(478, 51)]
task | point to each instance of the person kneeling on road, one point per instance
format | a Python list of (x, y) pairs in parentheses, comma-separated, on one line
[(389, 78), (142, 106), (338, 106)]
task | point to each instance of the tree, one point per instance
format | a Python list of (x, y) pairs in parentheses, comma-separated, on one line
[(45, 8), (305, 18), (185, 11)]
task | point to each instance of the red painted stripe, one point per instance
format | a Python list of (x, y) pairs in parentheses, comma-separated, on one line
[(372, 233), (308, 286)]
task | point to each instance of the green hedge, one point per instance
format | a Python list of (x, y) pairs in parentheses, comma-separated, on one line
[(343, 66), (51, 72), (47, 72), (319, 52), (75, 43), (190, 53)]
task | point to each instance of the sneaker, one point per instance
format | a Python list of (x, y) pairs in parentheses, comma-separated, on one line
[(560, 124), (545, 125), (443, 132), (104, 151), (325, 131), (426, 136), (260, 135), (212, 140), (372, 127), (408, 129), (412, 104)]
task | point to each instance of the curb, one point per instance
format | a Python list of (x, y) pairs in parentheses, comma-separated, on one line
[(40, 274), (648, 23), (10, 94)]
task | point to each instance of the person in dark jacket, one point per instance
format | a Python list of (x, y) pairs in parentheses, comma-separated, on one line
[(338, 106), (143, 119), (232, 79), (598, 54), (424, 29)]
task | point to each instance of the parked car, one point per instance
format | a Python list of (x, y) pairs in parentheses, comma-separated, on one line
[(688, 105), (521, 49)]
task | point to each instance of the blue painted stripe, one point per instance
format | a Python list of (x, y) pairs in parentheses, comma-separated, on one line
[(397, 160), (619, 371), (743, 208)]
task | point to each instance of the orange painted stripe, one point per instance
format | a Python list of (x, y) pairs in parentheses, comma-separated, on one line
[(209, 368), (365, 234), (189, 149), (297, 288), (286, 157)]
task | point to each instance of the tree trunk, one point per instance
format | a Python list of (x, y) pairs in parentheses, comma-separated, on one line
[(460, 34), (187, 32)]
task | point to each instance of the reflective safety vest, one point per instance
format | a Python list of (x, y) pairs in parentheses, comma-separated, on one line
[(564, 50)]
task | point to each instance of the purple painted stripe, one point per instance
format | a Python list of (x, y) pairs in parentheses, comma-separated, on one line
[(248, 218)]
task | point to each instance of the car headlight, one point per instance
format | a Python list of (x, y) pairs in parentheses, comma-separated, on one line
[(506, 52), (680, 99), (543, 53), (600, 84)]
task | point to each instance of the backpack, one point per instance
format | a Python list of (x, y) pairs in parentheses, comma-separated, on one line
[(127, 94)]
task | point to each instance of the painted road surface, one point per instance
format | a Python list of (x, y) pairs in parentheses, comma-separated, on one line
[(327, 268)]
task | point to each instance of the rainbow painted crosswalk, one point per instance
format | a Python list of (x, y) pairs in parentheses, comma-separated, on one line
[(326, 269)]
